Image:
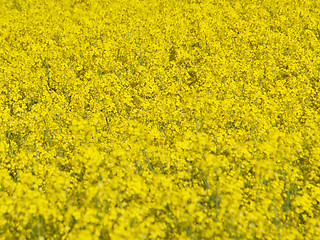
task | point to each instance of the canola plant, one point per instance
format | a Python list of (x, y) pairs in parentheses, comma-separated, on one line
[(184, 119)]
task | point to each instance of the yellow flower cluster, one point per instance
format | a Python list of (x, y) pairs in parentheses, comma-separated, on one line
[(184, 119)]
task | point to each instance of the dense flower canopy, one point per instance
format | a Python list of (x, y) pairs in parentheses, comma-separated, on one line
[(184, 119)]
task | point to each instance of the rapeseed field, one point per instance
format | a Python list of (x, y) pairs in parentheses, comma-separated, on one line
[(183, 119)]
